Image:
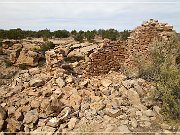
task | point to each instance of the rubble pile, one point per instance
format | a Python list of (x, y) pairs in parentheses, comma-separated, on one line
[(39, 102), (68, 56)]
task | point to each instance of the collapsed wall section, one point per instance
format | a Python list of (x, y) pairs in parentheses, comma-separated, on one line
[(115, 55)]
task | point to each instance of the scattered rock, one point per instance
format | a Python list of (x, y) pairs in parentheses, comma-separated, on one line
[(34, 71), (3, 114), (60, 82), (75, 101), (13, 125), (18, 115), (124, 129), (149, 113), (97, 106), (72, 123), (113, 112), (1, 124), (31, 117), (133, 96), (36, 82), (54, 122), (106, 82)]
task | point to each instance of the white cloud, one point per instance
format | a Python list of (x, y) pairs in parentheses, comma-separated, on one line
[(82, 15)]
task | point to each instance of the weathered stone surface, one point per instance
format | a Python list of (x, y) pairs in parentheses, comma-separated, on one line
[(72, 123), (36, 82), (18, 115), (3, 114), (75, 101), (34, 71), (97, 106), (31, 117), (35, 103), (1, 124), (149, 113), (106, 82), (113, 112), (14, 126), (124, 129), (133, 96), (28, 57), (60, 82), (54, 122)]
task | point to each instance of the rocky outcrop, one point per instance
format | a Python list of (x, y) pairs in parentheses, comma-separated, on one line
[(28, 57), (20, 52)]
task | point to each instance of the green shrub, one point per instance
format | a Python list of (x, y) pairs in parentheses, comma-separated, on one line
[(124, 35), (8, 63), (22, 66), (178, 60), (45, 39), (90, 35), (41, 62), (163, 70), (79, 37), (61, 34), (73, 32), (0, 43), (46, 46), (111, 34)]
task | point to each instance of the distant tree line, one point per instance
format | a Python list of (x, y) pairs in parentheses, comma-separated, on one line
[(111, 34)]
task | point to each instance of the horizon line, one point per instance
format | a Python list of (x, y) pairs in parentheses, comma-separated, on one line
[(80, 2)]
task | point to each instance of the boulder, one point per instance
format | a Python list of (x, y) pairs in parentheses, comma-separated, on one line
[(36, 82), (14, 126), (54, 122), (31, 117), (72, 123), (34, 71), (97, 106), (106, 82), (133, 96), (60, 82), (28, 57)]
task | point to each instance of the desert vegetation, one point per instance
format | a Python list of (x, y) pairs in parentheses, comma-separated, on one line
[(111, 34), (163, 70)]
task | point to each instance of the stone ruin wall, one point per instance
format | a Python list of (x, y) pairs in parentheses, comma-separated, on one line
[(142, 37), (118, 55), (110, 57), (121, 55), (54, 60)]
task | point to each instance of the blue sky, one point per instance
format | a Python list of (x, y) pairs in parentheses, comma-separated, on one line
[(86, 14)]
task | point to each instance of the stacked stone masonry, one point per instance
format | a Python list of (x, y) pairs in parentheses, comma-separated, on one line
[(118, 55), (110, 57), (53, 60), (142, 37)]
